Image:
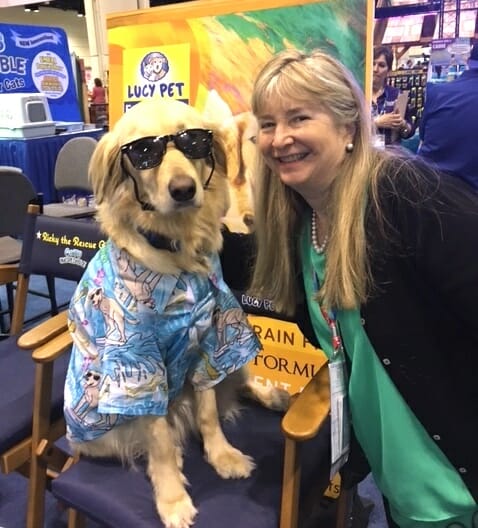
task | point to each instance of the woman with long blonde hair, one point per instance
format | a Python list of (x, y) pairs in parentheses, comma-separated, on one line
[(374, 254)]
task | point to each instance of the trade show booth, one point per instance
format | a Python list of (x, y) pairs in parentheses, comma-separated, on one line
[(39, 103)]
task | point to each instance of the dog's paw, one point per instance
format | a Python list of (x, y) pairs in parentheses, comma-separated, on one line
[(231, 463), (279, 399), (273, 398), (177, 514)]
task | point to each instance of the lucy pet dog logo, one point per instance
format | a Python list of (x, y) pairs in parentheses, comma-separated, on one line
[(161, 73), (154, 66)]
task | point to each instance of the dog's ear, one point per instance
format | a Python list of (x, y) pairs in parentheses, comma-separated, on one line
[(105, 170), (220, 149), (220, 174)]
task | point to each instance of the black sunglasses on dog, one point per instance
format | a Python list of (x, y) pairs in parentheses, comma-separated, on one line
[(146, 153)]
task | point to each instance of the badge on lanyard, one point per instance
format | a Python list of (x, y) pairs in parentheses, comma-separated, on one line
[(339, 409)]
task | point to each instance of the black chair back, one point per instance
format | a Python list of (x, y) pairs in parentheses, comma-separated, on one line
[(59, 247)]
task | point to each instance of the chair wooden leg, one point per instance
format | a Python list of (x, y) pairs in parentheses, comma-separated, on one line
[(76, 519), (38, 466), (55, 459), (19, 306), (289, 513)]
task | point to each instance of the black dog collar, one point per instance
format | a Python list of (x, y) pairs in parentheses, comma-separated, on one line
[(161, 241)]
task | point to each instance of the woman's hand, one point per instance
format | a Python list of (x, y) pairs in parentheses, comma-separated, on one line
[(392, 120)]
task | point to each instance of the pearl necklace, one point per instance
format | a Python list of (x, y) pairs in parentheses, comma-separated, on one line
[(319, 248)]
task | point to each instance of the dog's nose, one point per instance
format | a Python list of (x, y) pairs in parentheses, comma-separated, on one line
[(182, 188)]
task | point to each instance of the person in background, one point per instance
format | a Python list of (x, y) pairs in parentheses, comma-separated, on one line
[(373, 253), (98, 93), (449, 125), (386, 117)]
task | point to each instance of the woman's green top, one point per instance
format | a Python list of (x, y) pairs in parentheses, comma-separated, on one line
[(421, 485)]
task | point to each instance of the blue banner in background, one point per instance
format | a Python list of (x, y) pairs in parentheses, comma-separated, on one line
[(37, 59)]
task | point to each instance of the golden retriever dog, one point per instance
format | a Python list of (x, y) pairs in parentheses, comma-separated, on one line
[(240, 136), (160, 343)]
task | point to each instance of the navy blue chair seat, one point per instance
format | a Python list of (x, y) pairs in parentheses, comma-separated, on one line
[(121, 498), (16, 403)]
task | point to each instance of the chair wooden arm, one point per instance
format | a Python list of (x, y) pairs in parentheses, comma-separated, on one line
[(310, 408), (53, 349), (44, 332)]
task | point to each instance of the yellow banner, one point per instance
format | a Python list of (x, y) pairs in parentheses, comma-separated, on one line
[(287, 360)]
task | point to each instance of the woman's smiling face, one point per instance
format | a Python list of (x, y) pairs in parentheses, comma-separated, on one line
[(301, 144)]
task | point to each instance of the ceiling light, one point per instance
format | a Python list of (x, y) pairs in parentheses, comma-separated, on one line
[(33, 8)]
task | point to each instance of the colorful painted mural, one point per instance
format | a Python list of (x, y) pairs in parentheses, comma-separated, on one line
[(209, 50)]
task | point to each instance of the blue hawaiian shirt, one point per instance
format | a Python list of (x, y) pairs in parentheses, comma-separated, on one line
[(140, 335)]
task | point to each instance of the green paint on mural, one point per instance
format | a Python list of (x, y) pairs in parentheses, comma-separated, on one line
[(336, 27)]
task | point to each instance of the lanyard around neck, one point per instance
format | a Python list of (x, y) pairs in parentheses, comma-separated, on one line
[(324, 322)]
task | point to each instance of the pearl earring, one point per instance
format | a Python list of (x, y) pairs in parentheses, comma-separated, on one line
[(349, 147)]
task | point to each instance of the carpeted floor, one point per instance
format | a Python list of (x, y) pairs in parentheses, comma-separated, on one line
[(13, 488)]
